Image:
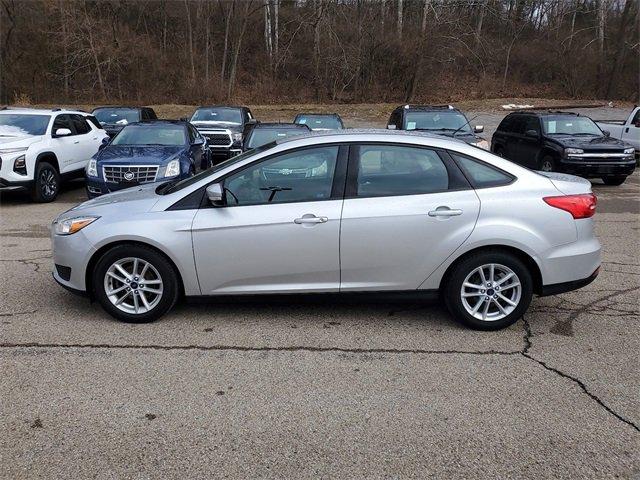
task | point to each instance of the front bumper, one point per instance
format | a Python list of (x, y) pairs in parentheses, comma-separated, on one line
[(71, 255), (15, 185), (598, 168)]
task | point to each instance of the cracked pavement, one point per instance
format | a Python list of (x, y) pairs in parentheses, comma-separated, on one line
[(308, 387)]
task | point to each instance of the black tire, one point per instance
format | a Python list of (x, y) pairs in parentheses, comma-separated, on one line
[(456, 277), (168, 275), (614, 181), (547, 164), (499, 151), (46, 183)]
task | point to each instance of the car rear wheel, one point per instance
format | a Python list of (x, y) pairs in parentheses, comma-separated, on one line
[(135, 284), (489, 290), (613, 180), (46, 183)]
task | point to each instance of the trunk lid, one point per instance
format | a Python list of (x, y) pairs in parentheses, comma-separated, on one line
[(568, 184)]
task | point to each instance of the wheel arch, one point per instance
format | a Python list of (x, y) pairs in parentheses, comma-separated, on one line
[(88, 275), (48, 157), (529, 262)]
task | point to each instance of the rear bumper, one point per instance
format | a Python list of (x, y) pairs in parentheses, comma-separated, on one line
[(586, 168), (557, 288)]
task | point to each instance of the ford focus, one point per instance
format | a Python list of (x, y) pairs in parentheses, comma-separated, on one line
[(339, 212)]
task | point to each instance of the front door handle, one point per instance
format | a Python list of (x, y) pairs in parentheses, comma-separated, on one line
[(76, 142), (445, 212), (310, 218)]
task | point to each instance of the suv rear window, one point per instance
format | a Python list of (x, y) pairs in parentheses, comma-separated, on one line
[(480, 174)]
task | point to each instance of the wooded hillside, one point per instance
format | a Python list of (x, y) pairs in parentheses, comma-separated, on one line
[(265, 51)]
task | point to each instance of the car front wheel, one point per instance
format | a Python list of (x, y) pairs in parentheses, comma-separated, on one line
[(489, 290), (135, 284), (46, 183)]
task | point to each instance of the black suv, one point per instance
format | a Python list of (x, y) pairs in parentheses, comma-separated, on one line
[(563, 142), (320, 121), (222, 126), (440, 119), (113, 119), (263, 133)]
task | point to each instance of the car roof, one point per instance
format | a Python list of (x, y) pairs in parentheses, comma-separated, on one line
[(542, 113), (283, 125), (311, 114), (427, 108), (26, 110), (130, 107), (368, 134), (159, 122), (220, 106)]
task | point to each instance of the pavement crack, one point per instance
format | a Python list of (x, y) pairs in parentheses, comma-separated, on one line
[(239, 348), (584, 388), (13, 314), (527, 335)]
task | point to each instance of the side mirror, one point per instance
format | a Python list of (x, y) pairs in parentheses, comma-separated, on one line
[(105, 142), (532, 133), (478, 129), (606, 133), (62, 132), (215, 194), (391, 127), (252, 121), (198, 141)]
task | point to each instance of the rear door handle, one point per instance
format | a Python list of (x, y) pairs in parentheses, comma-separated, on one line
[(310, 218), (445, 212), (76, 142)]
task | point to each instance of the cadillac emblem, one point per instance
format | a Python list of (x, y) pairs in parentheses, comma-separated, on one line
[(128, 176)]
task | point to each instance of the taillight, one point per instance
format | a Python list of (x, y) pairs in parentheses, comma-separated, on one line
[(579, 206)]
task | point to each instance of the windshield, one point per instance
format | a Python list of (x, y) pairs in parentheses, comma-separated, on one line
[(232, 116), (570, 125), (13, 125), (262, 136), (120, 116), (172, 187), (315, 122), (146, 135), (440, 120)]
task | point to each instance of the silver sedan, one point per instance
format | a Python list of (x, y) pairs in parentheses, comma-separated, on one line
[(340, 212)]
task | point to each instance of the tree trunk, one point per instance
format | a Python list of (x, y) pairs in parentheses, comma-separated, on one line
[(400, 22), (65, 50), (94, 52), (190, 38), (629, 15), (482, 6), (225, 51), (236, 53)]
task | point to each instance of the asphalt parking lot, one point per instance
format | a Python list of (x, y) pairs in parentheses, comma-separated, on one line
[(314, 388)]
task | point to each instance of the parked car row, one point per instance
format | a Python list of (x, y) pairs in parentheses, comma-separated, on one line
[(117, 147)]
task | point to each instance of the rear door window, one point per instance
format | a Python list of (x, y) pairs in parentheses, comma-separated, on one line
[(80, 124), (390, 170)]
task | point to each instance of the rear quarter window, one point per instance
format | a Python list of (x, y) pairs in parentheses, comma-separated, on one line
[(480, 174)]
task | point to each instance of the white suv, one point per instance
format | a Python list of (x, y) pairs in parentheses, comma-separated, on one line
[(40, 148)]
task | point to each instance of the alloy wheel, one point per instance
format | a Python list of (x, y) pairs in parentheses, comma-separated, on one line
[(547, 166), (491, 292), (133, 285), (48, 183)]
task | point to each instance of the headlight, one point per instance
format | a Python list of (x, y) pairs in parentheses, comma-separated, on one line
[(92, 168), (173, 169), (20, 165), (73, 225), (629, 150), (573, 151), (237, 137), (482, 144), (13, 150)]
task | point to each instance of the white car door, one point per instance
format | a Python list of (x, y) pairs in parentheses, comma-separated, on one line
[(88, 140), (279, 230), (67, 148), (406, 210)]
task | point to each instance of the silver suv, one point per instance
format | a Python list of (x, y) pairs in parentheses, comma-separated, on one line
[(338, 212)]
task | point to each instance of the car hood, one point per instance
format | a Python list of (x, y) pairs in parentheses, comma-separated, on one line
[(18, 141), (590, 142), (150, 154), (135, 199), (217, 125)]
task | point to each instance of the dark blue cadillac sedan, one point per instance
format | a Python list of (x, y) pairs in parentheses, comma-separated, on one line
[(146, 152)]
